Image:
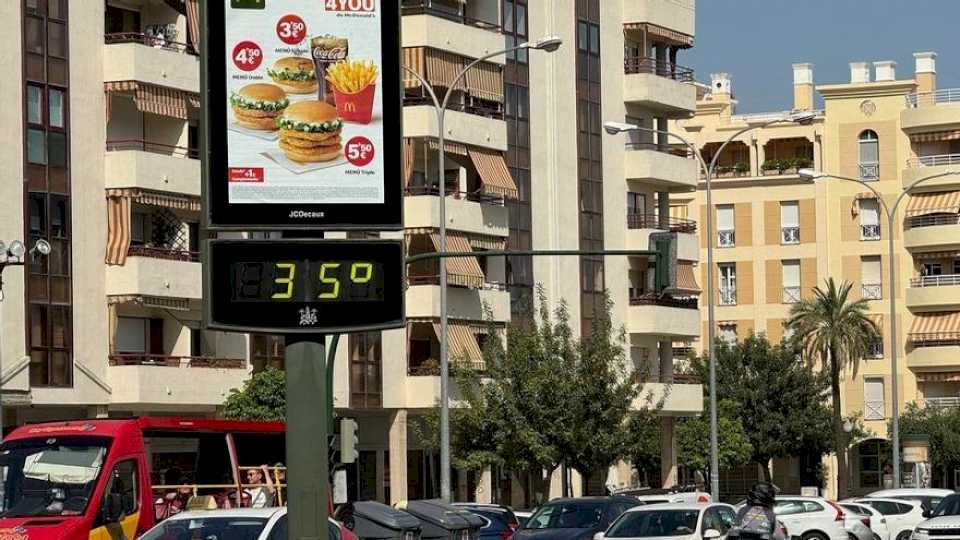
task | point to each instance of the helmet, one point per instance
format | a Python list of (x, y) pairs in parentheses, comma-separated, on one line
[(762, 493)]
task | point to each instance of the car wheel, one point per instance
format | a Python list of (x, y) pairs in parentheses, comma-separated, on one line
[(851, 536), (876, 536), (905, 535), (814, 536)]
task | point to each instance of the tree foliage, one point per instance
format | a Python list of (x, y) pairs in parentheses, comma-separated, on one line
[(693, 438), (263, 397), (942, 425)]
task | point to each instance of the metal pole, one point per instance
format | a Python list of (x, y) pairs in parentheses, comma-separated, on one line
[(308, 488), (711, 337), (891, 213)]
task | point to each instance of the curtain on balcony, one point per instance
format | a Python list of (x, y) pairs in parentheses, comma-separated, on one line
[(462, 271), (935, 326), (193, 23), (463, 343), (686, 279), (493, 172), (155, 99), (951, 135), (118, 226), (408, 160), (934, 203)]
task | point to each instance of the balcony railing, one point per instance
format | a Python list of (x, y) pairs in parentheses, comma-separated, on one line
[(686, 378), (633, 65), (870, 232), (934, 161), (431, 368), (666, 301), (873, 410), (153, 148), (728, 296), (435, 280), (869, 171), (474, 196), (149, 41), (426, 7), (946, 402), (162, 360), (169, 254), (485, 109), (933, 220), (871, 291), (726, 238), (791, 295), (943, 280), (946, 95), (682, 151), (789, 235), (653, 221)]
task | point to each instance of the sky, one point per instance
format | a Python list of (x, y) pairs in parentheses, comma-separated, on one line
[(757, 41)]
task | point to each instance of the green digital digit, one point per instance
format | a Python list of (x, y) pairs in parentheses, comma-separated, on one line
[(329, 281), (291, 269), (361, 272)]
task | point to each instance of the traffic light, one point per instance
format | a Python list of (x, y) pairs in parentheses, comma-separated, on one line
[(348, 441)]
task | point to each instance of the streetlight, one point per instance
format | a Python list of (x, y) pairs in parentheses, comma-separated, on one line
[(614, 128), (548, 44), (812, 175)]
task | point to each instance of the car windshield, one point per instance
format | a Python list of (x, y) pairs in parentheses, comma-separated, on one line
[(647, 523), (208, 528), (50, 477), (569, 515), (949, 506)]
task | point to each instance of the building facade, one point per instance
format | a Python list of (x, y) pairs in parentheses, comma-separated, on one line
[(779, 235), (102, 160)]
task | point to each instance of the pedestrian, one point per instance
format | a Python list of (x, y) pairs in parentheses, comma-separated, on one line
[(260, 491)]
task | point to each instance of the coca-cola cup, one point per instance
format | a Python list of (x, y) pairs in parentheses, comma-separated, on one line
[(327, 50)]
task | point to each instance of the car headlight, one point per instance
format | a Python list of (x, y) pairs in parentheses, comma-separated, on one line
[(921, 530)]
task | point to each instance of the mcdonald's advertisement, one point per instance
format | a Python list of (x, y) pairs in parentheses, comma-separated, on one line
[(305, 103)]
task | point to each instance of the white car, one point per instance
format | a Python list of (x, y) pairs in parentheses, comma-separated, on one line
[(660, 496), (674, 521), (902, 515), (944, 522), (929, 497), (811, 518), (249, 523), (869, 516)]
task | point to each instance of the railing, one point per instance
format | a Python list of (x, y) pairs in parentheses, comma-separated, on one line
[(871, 291), (633, 65), (791, 295), (869, 171), (934, 339), (726, 238), (756, 118), (413, 281), (789, 235), (153, 148), (933, 220), (476, 108), (425, 7), (875, 350), (653, 221), (164, 253), (150, 41), (665, 301), (870, 232), (946, 95), (943, 280), (681, 151), (431, 368), (946, 402), (686, 378), (934, 161), (474, 196), (873, 410), (681, 353), (728, 297), (164, 360)]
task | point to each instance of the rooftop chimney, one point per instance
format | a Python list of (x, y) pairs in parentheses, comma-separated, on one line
[(885, 70), (859, 72), (720, 90), (926, 71), (803, 87)]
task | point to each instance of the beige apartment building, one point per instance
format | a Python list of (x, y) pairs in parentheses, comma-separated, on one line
[(100, 158), (779, 235)]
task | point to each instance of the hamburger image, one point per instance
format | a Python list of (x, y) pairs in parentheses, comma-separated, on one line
[(257, 106), (310, 132), (294, 74)]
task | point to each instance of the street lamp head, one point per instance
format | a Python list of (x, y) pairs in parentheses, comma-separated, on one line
[(42, 247), (548, 43), (17, 249), (809, 174), (614, 128), (804, 118)]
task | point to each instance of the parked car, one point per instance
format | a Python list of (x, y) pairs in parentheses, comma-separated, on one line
[(929, 497), (902, 515), (247, 523), (691, 521), (574, 519), (522, 516), (668, 495), (811, 518), (944, 522), (499, 521), (874, 519)]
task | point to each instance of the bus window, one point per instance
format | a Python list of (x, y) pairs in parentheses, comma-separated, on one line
[(255, 449), (200, 460)]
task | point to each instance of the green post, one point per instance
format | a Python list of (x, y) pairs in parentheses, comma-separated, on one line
[(308, 476)]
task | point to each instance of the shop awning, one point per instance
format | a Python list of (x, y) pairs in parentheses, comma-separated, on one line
[(686, 278), (657, 32), (938, 376), (463, 343), (155, 99), (493, 171), (935, 326), (463, 271), (947, 202), (935, 136)]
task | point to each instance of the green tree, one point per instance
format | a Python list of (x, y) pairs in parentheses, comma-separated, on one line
[(263, 397), (941, 425), (693, 439), (834, 330)]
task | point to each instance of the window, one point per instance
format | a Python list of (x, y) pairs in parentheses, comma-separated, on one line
[(266, 351), (934, 269), (728, 333), (725, 230), (131, 335), (872, 454), (636, 203), (791, 282), (56, 108), (36, 146), (366, 388), (869, 155), (875, 349), (869, 219), (138, 228), (728, 284), (123, 482), (789, 222), (35, 36), (57, 150), (873, 406), (786, 508), (956, 266), (34, 105), (57, 39), (871, 277)]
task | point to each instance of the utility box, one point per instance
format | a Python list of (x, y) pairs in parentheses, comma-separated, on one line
[(441, 521), (370, 520)]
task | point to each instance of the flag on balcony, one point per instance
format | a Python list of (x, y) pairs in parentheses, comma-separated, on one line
[(941, 202)]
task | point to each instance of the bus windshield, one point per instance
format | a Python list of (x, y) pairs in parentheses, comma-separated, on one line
[(51, 476)]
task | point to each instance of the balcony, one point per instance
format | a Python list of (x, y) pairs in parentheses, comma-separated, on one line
[(666, 223), (871, 291), (923, 166), (152, 166), (791, 295), (870, 232), (726, 238), (472, 125), (138, 57), (173, 276), (678, 399), (934, 293), (423, 300), (464, 29), (172, 383), (931, 111), (659, 165), (659, 85), (470, 212), (641, 226), (727, 296), (946, 402), (675, 15), (936, 356), (669, 317), (932, 231), (789, 235)]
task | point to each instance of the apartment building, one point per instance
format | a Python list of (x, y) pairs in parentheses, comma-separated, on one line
[(779, 235), (101, 160)]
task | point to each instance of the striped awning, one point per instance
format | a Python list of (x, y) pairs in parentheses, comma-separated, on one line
[(938, 376), (440, 69), (451, 147), (155, 99), (193, 23), (672, 37), (686, 279), (935, 136), (147, 301), (118, 227), (493, 171), (463, 271), (157, 198), (935, 326), (485, 81), (934, 203), (483, 241), (463, 343)]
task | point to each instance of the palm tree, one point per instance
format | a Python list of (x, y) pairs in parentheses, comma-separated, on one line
[(835, 329)]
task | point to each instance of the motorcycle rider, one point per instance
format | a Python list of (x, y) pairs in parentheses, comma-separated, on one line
[(756, 520)]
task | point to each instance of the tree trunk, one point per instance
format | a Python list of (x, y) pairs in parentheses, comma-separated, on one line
[(839, 437), (564, 481), (765, 467)]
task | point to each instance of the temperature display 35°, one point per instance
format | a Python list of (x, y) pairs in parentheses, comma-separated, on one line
[(307, 281)]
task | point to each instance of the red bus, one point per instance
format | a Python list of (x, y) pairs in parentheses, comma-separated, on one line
[(98, 479)]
